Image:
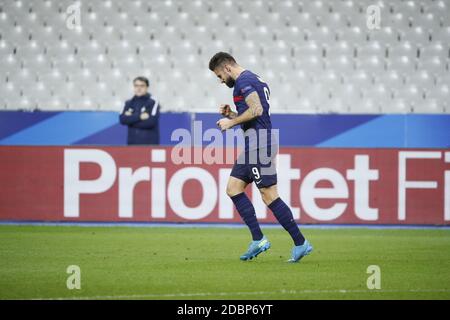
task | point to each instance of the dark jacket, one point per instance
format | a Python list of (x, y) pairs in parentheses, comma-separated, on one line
[(141, 131)]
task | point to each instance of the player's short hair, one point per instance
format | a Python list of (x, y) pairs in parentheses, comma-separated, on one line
[(220, 58), (141, 78)]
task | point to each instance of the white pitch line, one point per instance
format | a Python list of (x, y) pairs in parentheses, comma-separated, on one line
[(225, 294), (189, 225)]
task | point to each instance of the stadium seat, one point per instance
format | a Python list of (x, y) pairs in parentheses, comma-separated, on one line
[(399, 21), (413, 94), (372, 64), (428, 21), (353, 35), (405, 49), (422, 79), (349, 95), (8, 91), (392, 79), (402, 64), (289, 9), (429, 105), (398, 105), (342, 64), (418, 36), (335, 21), (305, 20), (434, 50), (434, 64), (386, 35), (371, 49), (316, 7), (348, 8), (322, 34), (367, 105), (441, 93)]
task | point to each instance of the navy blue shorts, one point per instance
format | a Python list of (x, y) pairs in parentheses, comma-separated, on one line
[(248, 169)]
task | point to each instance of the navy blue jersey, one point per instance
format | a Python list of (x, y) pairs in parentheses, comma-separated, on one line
[(141, 131), (245, 84)]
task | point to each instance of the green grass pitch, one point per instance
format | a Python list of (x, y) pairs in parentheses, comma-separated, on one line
[(203, 263)]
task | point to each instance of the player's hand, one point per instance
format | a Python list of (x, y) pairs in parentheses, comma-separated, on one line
[(128, 113), (144, 116), (225, 110), (225, 124)]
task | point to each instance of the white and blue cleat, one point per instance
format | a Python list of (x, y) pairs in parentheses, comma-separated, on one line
[(298, 252), (255, 248)]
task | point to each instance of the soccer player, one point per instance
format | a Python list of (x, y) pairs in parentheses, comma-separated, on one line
[(251, 97)]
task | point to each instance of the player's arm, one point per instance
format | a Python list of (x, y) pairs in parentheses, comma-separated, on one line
[(127, 117), (226, 111), (254, 110), (148, 120)]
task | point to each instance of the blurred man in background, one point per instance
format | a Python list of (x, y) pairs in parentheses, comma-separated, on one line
[(141, 115)]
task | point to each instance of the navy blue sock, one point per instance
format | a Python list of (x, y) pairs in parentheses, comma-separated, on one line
[(247, 213), (286, 219)]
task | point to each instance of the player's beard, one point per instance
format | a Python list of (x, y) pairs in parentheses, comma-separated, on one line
[(230, 82)]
